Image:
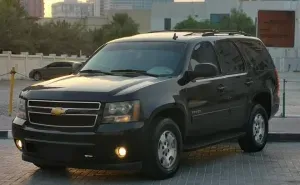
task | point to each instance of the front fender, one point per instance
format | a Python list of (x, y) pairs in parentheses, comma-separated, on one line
[(160, 106)]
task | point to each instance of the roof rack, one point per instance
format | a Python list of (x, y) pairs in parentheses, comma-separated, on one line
[(205, 32), (185, 30)]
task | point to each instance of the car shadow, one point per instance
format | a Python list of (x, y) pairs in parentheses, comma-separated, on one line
[(190, 161)]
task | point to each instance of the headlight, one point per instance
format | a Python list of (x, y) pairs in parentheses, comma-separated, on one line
[(121, 112), (21, 109)]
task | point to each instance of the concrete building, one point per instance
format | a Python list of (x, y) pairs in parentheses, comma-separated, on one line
[(285, 51), (141, 17), (101, 6), (72, 8), (89, 22), (34, 8)]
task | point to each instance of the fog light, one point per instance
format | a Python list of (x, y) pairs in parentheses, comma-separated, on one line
[(19, 144), (121, 152)]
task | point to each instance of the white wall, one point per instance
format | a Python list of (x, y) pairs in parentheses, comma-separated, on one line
[(24, 63)]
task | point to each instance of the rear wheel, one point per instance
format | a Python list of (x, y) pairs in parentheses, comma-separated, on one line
[(256, 130), (165, 145), (37, 76)]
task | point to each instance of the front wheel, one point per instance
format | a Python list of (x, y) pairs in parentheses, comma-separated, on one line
[(37, 76), (256, 130), (165, 146)]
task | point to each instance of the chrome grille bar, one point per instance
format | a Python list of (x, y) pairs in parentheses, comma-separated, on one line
[(39, 111)]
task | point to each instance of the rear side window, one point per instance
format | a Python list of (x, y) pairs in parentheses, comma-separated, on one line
[(231, 61), (257, 54), (55, 64), (65, 64)]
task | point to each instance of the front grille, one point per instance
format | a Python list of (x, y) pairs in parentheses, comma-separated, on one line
[(73, 114)]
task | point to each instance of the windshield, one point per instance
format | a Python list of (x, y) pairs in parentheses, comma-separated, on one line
[(158, 58)]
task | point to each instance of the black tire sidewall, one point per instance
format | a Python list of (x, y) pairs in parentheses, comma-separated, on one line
[(258, 109), (40, 76), (163, 125)]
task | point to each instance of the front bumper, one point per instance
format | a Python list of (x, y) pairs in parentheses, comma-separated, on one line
[(88, 150)]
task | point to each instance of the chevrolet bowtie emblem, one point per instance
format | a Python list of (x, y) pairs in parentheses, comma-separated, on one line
[(58, 111)]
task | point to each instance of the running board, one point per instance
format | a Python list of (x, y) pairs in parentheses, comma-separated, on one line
[(196, 143)]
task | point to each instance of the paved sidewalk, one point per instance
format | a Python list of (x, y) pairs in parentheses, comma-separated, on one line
[(285, 125), (224, 164)]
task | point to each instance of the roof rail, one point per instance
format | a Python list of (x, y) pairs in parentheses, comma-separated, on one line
[(185, 30), (229, 32), (206, 32)]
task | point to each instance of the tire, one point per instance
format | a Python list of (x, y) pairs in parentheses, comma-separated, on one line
[(154, 164), (50, 167), (257, 125), (37, 76)]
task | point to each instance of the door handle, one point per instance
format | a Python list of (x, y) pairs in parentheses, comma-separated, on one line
[(221, 88), (249, 82)]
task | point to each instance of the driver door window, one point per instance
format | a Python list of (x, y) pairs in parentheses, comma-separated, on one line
[(204, 53)]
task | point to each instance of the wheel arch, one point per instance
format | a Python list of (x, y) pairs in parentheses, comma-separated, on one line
[(174, 111), (264, 98)]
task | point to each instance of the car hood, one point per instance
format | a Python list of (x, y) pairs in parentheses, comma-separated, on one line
[(92, 87)]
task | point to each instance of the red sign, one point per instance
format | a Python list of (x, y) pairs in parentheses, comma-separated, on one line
[(276, 28)]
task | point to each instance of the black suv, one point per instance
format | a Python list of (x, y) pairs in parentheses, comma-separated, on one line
[(140, 101)]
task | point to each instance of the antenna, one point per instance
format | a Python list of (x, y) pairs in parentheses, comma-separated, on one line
[(175, 36)]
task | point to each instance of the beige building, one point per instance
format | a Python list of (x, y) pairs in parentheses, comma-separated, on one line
[(90, 22)]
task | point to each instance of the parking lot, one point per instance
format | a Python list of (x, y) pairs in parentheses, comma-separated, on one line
[(224, 164)]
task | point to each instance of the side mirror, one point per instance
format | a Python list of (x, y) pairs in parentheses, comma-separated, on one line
[(76, 67), (204, 70), (201, 70)]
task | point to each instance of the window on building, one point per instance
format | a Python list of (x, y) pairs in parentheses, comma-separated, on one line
[(167, 24)]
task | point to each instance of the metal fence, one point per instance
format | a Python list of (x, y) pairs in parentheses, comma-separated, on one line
[(290, 98)]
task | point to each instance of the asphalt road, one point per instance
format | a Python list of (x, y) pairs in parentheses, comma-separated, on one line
[(224, 164)]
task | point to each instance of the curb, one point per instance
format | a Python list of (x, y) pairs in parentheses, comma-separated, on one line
[(273, 136), (284, 137), (5, 134)]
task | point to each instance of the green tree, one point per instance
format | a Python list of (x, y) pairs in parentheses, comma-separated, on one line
[(122, 25), (16, 27), (237, 20), (189, 23), (61, 37)]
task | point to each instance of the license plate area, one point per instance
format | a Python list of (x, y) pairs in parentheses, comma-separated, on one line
[(59, 152)]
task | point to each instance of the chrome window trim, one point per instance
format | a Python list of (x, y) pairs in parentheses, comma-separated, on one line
[(222, 77), (78, 102)]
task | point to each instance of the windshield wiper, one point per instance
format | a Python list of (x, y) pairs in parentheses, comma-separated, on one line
[(95, 71), (134, 71)]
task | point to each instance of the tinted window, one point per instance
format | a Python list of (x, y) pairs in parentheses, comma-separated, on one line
[(257, 54), (231, 61), (65, 64), (55, 64), (160, 58), (203, 53)]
